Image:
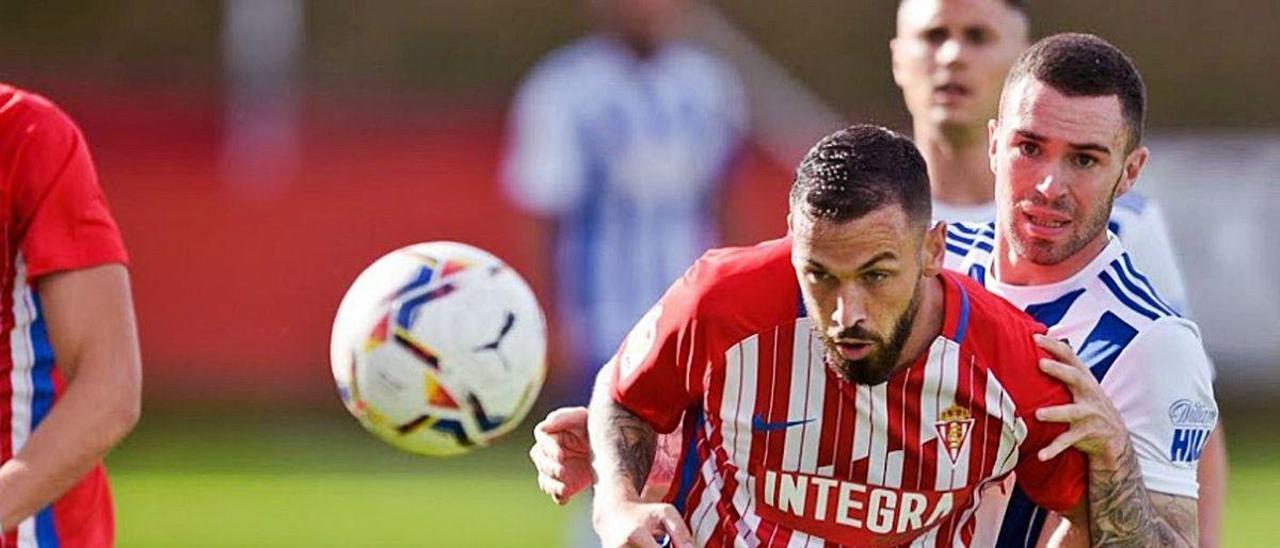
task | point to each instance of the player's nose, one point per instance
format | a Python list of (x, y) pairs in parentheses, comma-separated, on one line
[(951, 52), (850, 309), (1051, 186)]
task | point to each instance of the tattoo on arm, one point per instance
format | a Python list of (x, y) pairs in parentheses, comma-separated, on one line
[(1123, 513), (1180, 513), (634, 442), (622, 444)]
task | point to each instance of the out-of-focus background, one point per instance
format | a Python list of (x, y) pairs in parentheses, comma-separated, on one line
[(259, 153)]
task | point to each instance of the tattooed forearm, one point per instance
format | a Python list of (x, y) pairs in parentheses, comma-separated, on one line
[(1123, 513), (622, 445)]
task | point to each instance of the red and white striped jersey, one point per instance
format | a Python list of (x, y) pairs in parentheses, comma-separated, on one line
[(780, 451), (54, 219)]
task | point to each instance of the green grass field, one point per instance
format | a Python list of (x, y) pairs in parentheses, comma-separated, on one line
[(268, 480), (252, 479)]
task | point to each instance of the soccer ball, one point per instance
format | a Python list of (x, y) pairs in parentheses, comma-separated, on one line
[(438, 348)]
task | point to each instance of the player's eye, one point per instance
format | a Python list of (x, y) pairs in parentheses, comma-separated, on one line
[(977, 36), (875, 276), (1084, 161), (935, 36), (817, 276), (1028, 148)]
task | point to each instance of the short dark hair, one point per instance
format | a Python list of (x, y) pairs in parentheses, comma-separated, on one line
[(1021, 6), (1083, 65), (859, 169)]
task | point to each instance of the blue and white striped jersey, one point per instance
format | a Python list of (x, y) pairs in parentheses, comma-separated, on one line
[(628, 155), (1136, 219), (1148, 359)]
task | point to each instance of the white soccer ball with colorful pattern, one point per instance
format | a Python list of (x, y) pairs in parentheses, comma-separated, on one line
[(439, 348)]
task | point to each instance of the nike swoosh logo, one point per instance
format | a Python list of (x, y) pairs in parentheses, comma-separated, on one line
[(758, 423)]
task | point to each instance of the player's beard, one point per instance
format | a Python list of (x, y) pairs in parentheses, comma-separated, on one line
[(1083, 230), (882, 362)]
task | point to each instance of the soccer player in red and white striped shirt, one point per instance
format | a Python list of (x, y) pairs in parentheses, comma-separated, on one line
[(834, 385)]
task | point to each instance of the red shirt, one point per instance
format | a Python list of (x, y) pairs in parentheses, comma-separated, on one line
[(780, 450), (55, 219)]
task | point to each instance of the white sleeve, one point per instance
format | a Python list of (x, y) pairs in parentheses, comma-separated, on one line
[(544, 169), (1147, 240), (1161, 384)]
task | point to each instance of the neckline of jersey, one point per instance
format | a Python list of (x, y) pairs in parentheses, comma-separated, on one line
[(1111, 252)]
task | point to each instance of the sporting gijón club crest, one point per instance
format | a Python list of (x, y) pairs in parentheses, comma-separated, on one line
[(953, 428)]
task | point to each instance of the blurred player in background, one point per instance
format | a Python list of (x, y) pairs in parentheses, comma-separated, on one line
[(623, 139), (950, 58), (70, 372)]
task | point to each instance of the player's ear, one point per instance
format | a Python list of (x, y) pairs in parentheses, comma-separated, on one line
[(893, 61), (933, 249), (1133, 164), (993, 129)]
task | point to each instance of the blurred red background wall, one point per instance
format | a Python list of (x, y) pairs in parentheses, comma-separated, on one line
[(235, 290)]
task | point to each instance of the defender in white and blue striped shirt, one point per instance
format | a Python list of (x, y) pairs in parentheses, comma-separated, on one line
[(1066, 149), (626, 147)]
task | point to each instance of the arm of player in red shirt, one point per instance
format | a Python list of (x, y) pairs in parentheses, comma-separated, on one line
[(73, 252), (659, 386), (89, 315), (656, 375)]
